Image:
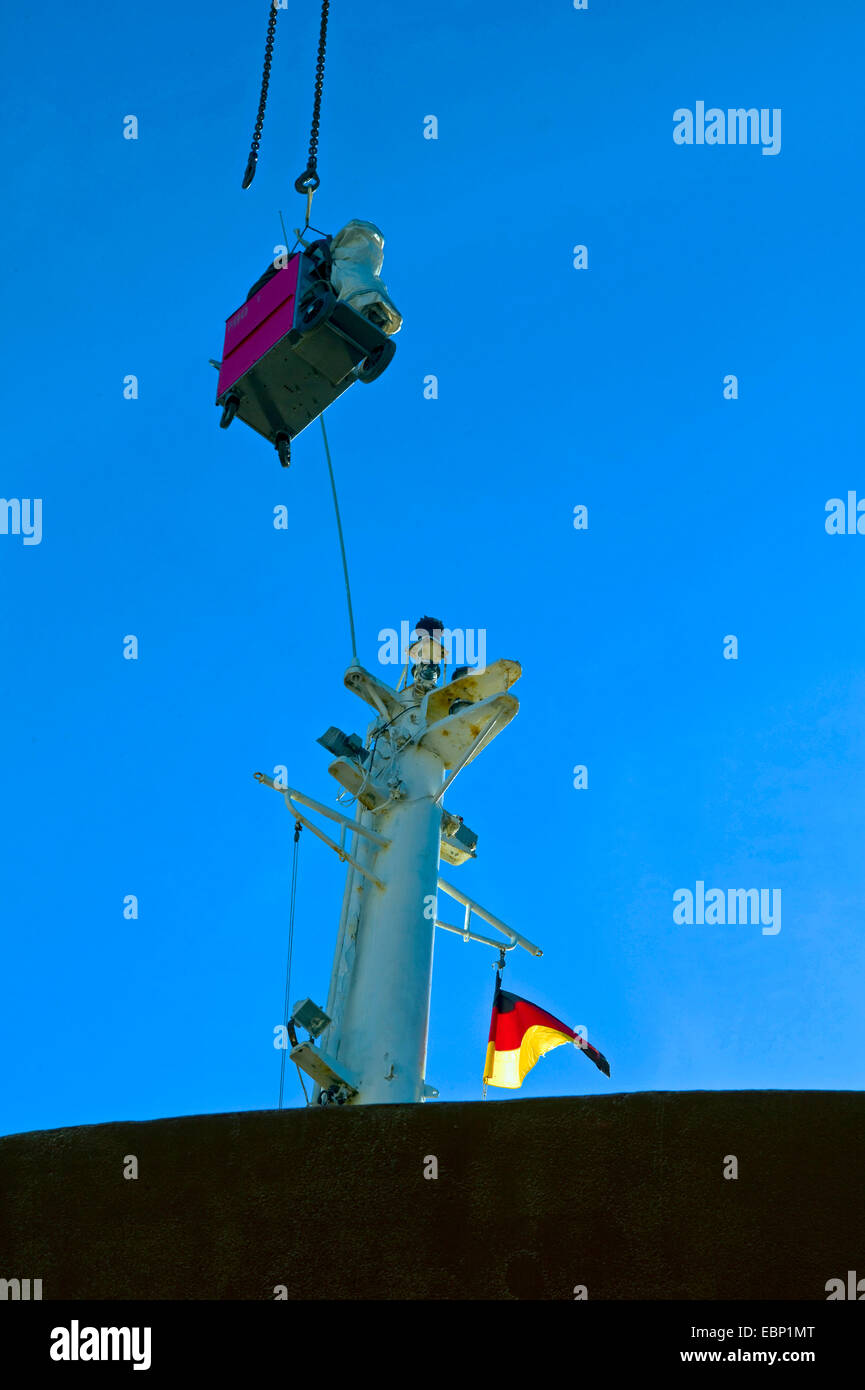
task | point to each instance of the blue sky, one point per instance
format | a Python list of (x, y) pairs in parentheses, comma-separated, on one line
[(557, 387)]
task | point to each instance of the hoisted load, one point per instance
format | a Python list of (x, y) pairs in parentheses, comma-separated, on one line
[(314, 323), (319, 318)]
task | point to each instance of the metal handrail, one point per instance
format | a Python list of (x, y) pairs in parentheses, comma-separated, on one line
[(468, 935), (291, 794)]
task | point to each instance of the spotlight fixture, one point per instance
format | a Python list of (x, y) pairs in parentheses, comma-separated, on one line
[(343, 745), (426, 654)]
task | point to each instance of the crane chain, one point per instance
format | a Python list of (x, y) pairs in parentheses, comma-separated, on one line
[(309, 180), (265, 80)]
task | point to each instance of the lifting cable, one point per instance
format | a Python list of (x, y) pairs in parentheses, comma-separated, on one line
[(287, 1006), (309, 180), (307, 183), (341, 545)]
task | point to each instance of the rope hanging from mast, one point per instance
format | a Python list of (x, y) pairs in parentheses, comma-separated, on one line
[(287, 1006)]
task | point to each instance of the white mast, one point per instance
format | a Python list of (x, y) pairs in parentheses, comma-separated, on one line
[(374, 1030)]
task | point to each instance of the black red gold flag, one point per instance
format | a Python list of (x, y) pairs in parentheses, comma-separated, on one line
[(520, 1033)]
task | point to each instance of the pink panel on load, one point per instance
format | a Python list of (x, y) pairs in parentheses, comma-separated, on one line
[(258, 324)]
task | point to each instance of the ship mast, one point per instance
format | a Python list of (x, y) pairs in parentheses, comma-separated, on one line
[(368, 1046)]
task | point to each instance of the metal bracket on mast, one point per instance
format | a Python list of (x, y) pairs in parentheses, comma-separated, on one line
[(467, 934), (291, 795), (335, 1081), (467, 757), (382, 698)]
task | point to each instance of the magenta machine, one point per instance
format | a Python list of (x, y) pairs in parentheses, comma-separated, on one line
[(317, 320), (305, 332)]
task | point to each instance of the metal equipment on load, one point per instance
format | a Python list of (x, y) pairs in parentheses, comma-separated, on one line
[(295, 345)]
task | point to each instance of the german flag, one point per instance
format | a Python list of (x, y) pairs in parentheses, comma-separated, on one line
[(520, 1033)]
